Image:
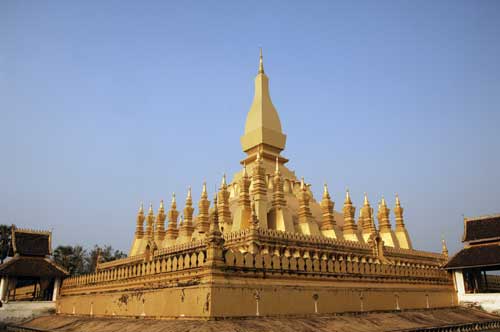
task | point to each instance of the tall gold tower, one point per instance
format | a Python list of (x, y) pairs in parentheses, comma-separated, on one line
[(263, 131)]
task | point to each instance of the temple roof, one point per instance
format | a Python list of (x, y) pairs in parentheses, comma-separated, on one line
[(485, 228), (477, 256), (22, 266), (30, 242)]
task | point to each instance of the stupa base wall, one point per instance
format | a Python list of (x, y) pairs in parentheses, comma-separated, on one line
[(176, 302), (228, 297), (302, 300)]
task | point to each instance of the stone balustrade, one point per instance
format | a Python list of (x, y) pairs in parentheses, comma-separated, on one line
[(121, 261), (289, 244), (158, 264), (181, 248), (418, 254), (331, 257), (277, 235), (344, 265)]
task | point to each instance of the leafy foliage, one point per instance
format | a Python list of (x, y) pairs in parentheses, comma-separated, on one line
[(105, 254), (5, 237), (78, 260)]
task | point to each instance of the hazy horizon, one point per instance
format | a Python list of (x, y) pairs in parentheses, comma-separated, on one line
[(107, 104)]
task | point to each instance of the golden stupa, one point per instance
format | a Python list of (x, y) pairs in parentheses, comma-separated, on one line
[(264, 246)]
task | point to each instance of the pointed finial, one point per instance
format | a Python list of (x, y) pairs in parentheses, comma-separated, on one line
[(174, 202), (189, 193), (141, 208), (277, 169), (261, 63), (366, 200), (302, 184), (444, 248), (382, 202), (204, 189), (223, 183), (150, 208), (398, 203), (325, 190), (162, 208), (347, 196)]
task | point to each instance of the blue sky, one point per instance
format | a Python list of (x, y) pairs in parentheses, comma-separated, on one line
[(107, 103)]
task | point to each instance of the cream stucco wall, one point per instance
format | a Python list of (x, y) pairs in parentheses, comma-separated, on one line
[(488, 301)]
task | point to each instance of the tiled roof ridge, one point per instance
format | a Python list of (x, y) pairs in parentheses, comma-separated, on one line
[(482, 217), (31, 231)]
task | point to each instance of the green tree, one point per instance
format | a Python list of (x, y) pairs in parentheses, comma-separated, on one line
[(78, 260), (5, 237), (73, 258), (105, 254)]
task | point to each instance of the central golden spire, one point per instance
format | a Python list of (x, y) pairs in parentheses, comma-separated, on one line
[(263, 126)]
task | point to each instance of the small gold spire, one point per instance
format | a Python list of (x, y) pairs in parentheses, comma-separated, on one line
[(261, 63), (214, 225), (302, 184), (277, 169), (223, 183), (382, 202), (328, 218), (174, 202), (398, 203), (204, 190), (366, 200), (347, 196), (444, 248), (150, 208), (189, 193), (162, 208), (139, 230)]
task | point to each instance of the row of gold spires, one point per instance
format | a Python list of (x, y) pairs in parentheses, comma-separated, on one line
[(366, 217), (328, 220)]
